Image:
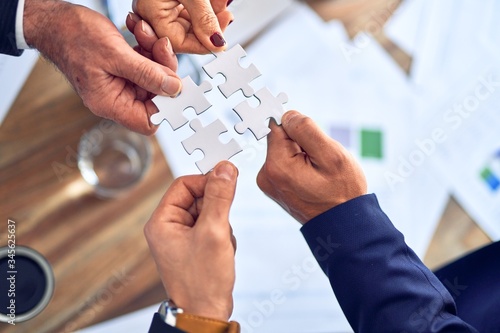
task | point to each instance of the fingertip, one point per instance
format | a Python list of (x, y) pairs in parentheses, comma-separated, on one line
[(145, 35), (147, 29), (164, 54), (226, 170), (288, 117), (218, 42), (168, 46), (171, 86), (133, 17), (131, 21)]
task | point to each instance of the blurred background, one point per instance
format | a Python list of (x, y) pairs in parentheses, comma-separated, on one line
[(410, 87)]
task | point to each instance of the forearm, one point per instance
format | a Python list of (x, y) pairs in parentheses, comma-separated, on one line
[(40, 20), (379, 282), (45, 25)]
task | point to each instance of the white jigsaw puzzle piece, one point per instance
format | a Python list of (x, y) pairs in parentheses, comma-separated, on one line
[(172, 108), (255, 119), (237, 77), (207, 140)]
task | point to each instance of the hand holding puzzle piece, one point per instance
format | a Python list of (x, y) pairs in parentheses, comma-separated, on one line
[(206, 138)]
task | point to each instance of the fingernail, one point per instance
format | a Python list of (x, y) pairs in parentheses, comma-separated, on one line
[(287, 117), (217, 39), (230, 22), (225, 170), (147, 29), (169, 48), (133, 17), (171, 86), (228, 3)]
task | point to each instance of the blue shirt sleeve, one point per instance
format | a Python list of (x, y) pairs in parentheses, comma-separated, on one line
[(8, 11), (380, 283)]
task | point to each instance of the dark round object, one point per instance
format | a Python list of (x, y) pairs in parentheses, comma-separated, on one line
[(29, 284)]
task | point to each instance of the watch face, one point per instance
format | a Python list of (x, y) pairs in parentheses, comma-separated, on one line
[(168, 312)]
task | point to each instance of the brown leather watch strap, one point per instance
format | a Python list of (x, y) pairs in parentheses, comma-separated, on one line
[(196, 324)]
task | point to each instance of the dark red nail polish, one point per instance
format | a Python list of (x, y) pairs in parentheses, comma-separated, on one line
[(229, 2), (230, 22), (217, 39)]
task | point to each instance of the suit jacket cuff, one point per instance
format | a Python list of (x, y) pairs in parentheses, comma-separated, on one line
[(8, 10)]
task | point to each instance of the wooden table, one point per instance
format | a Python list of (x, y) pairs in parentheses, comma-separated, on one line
[(96, 247)]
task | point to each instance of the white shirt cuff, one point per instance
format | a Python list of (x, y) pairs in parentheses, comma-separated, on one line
[(20, 41)]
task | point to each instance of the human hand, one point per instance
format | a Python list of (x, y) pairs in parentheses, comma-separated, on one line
[(306, 172), (149, 45), (191, 241), (113, 80), (193, 26)]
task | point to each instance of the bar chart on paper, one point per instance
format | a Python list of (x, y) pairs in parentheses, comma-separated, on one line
[(368, 143), (490, 174), (470, 161)]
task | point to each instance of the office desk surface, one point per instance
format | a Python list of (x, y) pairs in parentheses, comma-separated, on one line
[(96, 247)]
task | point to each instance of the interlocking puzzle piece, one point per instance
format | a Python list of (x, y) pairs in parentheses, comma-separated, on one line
[(254, 119), (207, 140), (172, 108), (237, 77)]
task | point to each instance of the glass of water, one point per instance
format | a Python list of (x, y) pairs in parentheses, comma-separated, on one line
[(112, 158)]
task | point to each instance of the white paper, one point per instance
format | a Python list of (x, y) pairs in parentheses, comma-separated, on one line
[(469, 119), (456, 54), (403, 27), (97, 5), (251, 17)]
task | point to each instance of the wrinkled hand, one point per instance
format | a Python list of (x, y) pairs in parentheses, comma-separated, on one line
[(306, 172), (191, 241), (193, 26), (113, 80), (149, 45)]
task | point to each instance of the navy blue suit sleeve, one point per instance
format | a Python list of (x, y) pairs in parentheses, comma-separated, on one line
[(380, 283), (159, 326), (8, 11)]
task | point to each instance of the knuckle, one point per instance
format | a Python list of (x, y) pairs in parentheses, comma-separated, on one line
[(217, 236), (144, 74), (206, 19)]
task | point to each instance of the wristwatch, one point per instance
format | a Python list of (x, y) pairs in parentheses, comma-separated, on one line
[(168, 311)]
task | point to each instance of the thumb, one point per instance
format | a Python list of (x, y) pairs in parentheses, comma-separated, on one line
[(307, 134), (219, 194), (205, 24), (149, 75)]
